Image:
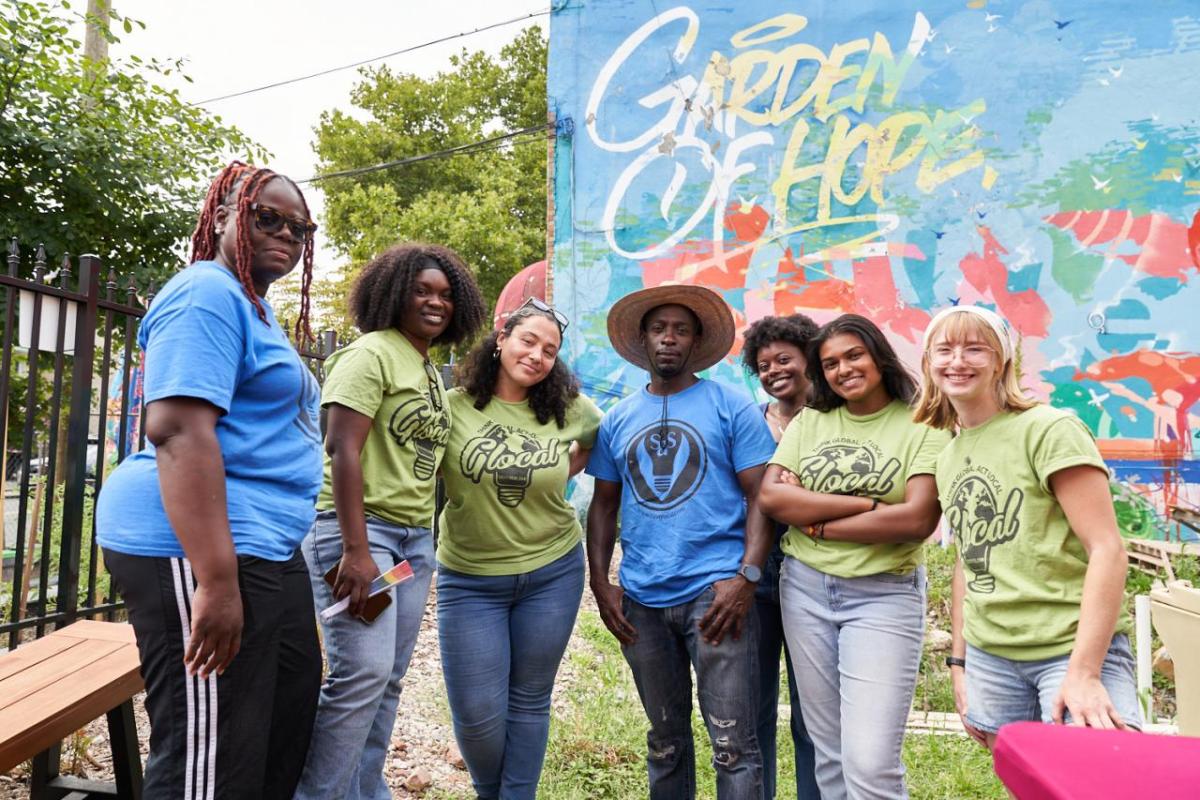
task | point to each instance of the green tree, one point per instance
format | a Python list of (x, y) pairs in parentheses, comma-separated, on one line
[(105, 160), (489, 206)]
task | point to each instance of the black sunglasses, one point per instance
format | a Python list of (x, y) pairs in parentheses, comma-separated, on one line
[(541, 305), (271, 220)]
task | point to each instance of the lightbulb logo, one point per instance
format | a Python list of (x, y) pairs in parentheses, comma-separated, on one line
[(667, 464), (980, 524), (510, 464), (416, 421), (847, 468)]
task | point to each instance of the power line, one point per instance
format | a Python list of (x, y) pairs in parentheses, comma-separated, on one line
[(410, 49), (483, 145)]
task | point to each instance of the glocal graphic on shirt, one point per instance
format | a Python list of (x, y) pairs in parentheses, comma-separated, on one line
[(509, 456), (981, 520)]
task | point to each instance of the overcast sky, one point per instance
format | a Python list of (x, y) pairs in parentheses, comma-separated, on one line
[(231, 45)]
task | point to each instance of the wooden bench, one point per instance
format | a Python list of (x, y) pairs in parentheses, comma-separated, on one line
[(56, 685)]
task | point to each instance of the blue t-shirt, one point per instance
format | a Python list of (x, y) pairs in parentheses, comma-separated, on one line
[(202, 338), (683, 514)]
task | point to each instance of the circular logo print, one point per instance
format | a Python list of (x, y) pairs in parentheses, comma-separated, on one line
[(667, 464)]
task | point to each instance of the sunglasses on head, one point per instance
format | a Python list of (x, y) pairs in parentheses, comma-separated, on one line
[(270, 220), (543, 306)]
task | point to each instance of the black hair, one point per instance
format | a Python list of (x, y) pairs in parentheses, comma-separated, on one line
[(382, 289), (795, 329), (549, 397), (897, 380), (649, 311)]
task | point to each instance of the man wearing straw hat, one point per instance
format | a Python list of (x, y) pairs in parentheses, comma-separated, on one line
[(681, 461)]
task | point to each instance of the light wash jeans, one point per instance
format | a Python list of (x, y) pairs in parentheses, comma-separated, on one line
[(1001, 690), (357, 709), (668, 647), (502, 638), (855, 645)]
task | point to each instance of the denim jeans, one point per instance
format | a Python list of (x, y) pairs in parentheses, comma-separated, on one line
[(855, 645), (668, 646), (770, 643), (367, 662), (502, 638), (1001, 690)]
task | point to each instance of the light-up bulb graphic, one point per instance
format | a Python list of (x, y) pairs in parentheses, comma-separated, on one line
[(662, 446), (426, 460), (511, 482)]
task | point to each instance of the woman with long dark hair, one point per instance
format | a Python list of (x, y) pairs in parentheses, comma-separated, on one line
[(510, 563), (200, 530), (386, 430), (853, 477)]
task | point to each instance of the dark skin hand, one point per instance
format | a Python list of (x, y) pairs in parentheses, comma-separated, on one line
[(346, 434), (911, 520), (191, 476), (601, 539), (735, 596)]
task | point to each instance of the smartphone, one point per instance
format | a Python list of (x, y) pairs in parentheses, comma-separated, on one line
[(375, 605)]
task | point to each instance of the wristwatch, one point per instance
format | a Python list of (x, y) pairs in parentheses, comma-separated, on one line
[(951, 661), (750, 573)]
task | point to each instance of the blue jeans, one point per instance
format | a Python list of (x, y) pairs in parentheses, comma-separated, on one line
[(1001, 690), (502, 638), (668, 646), (770, 643), (367, 662), (855, 645)]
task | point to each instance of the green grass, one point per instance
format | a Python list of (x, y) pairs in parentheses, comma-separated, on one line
[(597, 748)]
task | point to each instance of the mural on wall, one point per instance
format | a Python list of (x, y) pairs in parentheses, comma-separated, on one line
[(890, 159)]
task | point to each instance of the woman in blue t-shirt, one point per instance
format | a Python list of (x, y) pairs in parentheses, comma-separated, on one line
[(200, 530)]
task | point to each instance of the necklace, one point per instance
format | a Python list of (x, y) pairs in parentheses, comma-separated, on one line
[(776, 422)]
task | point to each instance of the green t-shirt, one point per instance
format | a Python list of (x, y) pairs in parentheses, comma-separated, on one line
[(873, 455), (506, 476), (1023, 563), (382, 376)]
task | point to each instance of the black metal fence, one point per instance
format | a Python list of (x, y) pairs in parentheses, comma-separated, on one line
[(68, 410)]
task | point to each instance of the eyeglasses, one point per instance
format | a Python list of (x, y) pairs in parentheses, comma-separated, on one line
[(435, 382), (271, 220), (977, 355), (541, 305)]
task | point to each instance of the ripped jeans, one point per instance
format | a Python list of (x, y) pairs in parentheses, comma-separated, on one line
[(668, 646)]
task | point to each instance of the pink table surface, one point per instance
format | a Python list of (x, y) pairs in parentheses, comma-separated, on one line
[(1054, 762)]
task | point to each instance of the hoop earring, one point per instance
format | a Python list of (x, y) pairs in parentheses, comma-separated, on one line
[(496, 354)]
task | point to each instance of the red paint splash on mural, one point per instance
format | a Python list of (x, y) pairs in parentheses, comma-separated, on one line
[(1165, 244), (1025, 310), (1174, 379)]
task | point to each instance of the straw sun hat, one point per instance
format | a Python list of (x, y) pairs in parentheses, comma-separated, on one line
[(716, 324)]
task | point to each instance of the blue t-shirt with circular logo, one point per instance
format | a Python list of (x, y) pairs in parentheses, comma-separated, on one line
[(203, 338), (683, 514)]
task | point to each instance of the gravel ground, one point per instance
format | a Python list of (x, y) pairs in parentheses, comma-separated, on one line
[(423, 757)]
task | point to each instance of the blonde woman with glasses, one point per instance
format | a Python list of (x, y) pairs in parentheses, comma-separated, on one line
[(1037, 614)]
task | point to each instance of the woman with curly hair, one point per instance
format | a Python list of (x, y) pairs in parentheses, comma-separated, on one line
[(510, 563), (200, 530), (387, 426), (774, 349)]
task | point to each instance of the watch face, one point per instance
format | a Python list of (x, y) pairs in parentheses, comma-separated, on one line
[(750, 573)]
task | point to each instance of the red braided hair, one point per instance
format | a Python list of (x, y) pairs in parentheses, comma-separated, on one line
[(241, 184)]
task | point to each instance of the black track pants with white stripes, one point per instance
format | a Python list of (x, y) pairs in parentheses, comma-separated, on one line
[(243, 734)]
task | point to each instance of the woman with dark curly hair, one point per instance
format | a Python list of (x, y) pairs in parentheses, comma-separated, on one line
[(510, 564), (774, 349), (388, 422)]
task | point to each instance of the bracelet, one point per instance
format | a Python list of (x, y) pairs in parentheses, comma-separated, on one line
[(951, 661), (815, 531), (874, 503)]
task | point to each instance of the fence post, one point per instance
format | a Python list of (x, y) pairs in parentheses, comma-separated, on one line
[(77, 435)]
